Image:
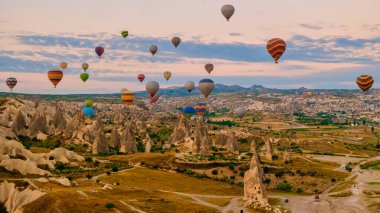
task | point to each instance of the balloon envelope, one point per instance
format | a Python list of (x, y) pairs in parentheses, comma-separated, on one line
[(89, 102), (176, 41), (88, 112), (85, 66), (188, 111), (240, 112), (155, 98), (63, 66), (365, 82), (200, 108), (227, 11), (82, 105), (55, 76), (276, 47), (189, 86), (167, 75), (99, 51), (124, 33), (141, 77), (206, 86), (152, 87), (153, 49), (11, 82), (127, 96), (84, 76), (209, 68)]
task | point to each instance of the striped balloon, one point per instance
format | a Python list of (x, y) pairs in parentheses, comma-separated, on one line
[(276, 47), (141, 77), (55, 76), (124, 33), (364, 82), (127, 96), (11, 82), (200, 108), (209, 68), (167, 75), (176, 41)]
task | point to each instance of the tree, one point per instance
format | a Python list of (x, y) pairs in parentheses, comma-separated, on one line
[(109, 205), (372, 130)]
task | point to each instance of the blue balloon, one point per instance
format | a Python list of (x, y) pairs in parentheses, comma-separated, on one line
[(88, 112), (189, 111)]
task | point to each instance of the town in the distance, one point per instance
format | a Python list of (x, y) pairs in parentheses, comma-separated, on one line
[(240, 150)]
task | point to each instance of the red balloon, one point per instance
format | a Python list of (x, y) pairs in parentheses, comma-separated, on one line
[(99, 51), (141, 77)]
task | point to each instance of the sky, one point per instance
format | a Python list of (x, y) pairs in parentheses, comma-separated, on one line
[(329, 43)]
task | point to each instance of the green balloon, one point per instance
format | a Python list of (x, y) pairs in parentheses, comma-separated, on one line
[(84, 76), (89, 103)]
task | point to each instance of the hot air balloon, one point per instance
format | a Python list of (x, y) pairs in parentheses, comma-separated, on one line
[(84, 76), (155, 98), (206, 86), (127, 96), (167, 75), (227, 11), (152, 87), (188, 111), (141, 77), (11, 82), (63, 66), (55, 76), (189, 86), (176, 41), (200, 108), (276, 47), (364, 82), (209, 68), (153, 49), (85, 66), (240, 112), (99, 106), (88, 112), (82, 105), (124, 33), (99, 51), (89, 102)]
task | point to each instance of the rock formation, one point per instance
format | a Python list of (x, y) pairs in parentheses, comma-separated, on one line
[(148, 145), (18, 126), (181, 132), (74, 126), (14, 200), (253, 146), (59, 121), (286, 157), (202, 141), (221, 139), (115, 140), (232, 143), (100, 145), (128, 140), (254, 189), (23, 167), (38, 125), (268, 148)]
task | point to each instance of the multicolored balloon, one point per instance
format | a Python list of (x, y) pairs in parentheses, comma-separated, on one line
[(152, 87), (55, 76), (155, 98), (364, 82), (176, 41), (189, 86), (85, 66), (167, 75), (240, 112), (99, 51), (141, 77), (63, 66), (276, 47), (188, 111), (84, 76), (89, 103), (124, 33), (209, 68), (127, 96), (153, 49), (11, 82), (200, 108), (227, 11), (88, 112), (206, 86)]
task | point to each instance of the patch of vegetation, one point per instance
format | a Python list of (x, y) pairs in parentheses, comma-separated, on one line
[(342, 194), (284, 186), (371, 165)]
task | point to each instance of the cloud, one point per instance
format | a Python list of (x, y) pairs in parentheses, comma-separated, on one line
[(236, 34), (312, 26)]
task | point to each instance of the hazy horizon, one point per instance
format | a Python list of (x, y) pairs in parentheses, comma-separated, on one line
[(325, 52)]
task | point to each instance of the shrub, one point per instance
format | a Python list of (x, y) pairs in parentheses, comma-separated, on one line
[(108, 173), (88, 159), (299, 190), (231, 167), (214, 172), (266, 181), (279, 174), (265, 169), (88, 176), (70, 178), (97, 180), (115, 169), (109, 205), (348, 168), (284, 187), (96, 163), (275, 157), (333, 180)]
